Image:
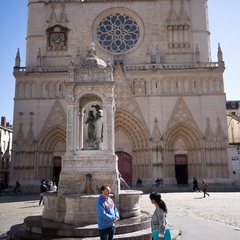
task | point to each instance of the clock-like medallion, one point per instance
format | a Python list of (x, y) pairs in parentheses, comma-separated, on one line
[(57, 39)]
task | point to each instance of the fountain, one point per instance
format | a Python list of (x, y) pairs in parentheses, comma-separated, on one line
[(88, 163)]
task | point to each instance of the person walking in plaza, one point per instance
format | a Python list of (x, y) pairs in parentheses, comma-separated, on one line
[(159, 217), (204, 188), (17, 187), (107, 214), (195, 185), (2, 187), (43, 188)]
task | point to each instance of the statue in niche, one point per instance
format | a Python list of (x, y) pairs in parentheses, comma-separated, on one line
[(91, 126), (99, 122), (95, 127)]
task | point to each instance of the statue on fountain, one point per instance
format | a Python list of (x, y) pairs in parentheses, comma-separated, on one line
[(95, 127)]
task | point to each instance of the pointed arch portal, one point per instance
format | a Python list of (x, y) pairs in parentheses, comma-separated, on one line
[(52, 143), (130, 162), (133, 128), (182, 141)]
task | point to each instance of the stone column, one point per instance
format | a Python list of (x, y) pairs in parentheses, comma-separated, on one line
[(108, 127), (70, 115)]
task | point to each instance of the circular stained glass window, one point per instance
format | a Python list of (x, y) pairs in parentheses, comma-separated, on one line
[(118, 33)]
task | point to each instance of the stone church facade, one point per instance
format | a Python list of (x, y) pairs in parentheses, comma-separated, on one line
[(169, 100)]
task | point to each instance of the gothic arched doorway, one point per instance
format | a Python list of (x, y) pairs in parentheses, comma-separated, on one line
[(52, 145), (181, 168), (125, 166)]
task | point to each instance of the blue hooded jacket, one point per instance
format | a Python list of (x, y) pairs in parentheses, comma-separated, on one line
[(106, 212)]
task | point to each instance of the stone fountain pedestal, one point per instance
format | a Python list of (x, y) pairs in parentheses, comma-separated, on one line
[(86, 166), (79, 209), (71, 214), (79, 184)]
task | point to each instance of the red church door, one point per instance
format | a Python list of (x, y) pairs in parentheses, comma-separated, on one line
[(125, 166)]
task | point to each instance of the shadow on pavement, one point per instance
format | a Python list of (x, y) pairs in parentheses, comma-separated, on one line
[(18, 197)]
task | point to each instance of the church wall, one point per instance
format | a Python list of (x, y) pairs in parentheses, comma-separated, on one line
[(80, 34), (122, 142), (200, 28), (203, 93), (201, 108), (41, 102), (162, 110)]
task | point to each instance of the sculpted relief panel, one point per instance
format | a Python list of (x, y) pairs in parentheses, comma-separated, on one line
[(87, 164)]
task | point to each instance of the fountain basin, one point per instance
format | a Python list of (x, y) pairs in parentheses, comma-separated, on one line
[(129, 203), (54, 206), (80, 209)]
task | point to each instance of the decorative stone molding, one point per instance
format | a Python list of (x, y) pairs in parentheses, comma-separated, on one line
[(86, 1), (175, 66), (24, 167), (182, 114)]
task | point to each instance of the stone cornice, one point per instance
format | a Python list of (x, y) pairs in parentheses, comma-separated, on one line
[(85, 1), (175, 66), (129, 67), (36, 69)]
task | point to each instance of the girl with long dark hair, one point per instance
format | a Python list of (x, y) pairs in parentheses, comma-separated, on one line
[(159, 220)]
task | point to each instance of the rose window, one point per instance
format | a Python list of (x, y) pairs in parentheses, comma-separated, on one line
[(118, 33)]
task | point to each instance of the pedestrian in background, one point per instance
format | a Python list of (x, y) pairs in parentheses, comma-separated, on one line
[(139, 182), (195, 185), (43, 188), (2, 188), (204, 188), (17, 187), (53, 187)]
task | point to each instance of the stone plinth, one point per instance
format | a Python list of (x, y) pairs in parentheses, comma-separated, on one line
[(101, 167)]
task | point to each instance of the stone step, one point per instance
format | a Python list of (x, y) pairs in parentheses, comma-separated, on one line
[(35, 227), (18, 232), (138, 235)]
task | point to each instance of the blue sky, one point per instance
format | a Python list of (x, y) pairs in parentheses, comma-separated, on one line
[(224, 19)]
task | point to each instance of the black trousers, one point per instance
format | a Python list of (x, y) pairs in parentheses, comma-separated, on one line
[(106, 233)]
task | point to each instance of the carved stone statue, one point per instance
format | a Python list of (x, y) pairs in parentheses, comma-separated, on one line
[(98, 123), (91, 126), (95, 128)]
